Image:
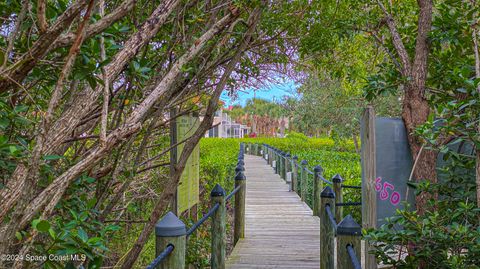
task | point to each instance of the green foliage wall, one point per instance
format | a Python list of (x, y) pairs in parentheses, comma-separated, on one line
[(333, 158)]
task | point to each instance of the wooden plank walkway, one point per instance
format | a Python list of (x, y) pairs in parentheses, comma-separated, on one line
[(280, 231)]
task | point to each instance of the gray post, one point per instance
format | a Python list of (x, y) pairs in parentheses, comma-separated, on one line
[(327, 230), (284, 165), (239, 221), (337, 189), (218, 228), (277, 165), (270, 156), (171, 230), (288, 169), (281, 166), (303, 181), (348, 234), (317, 187), (294, 173)]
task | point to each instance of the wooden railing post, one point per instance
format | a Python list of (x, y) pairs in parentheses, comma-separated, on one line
[(282, 165), (218, 230), (171, 230), (239, 221), (270, 156), (369, 195), (288, 170), (317, 187), (327, 229), (277, 165), (303, 180), (294, 173), (348, 233), (337, 189), (241, 160)]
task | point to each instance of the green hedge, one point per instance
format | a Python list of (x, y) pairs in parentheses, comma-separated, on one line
[(334, 159)]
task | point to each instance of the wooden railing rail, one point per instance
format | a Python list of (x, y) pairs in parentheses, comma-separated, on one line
[(327, 203), (171, 233)]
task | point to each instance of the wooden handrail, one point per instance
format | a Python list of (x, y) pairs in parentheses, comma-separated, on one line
[(171, 233), (327, 205)]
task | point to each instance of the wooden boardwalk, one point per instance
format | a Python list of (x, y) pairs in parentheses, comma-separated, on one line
[(280, 231)]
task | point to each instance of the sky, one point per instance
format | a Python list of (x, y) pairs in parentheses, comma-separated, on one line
[(271, 93)]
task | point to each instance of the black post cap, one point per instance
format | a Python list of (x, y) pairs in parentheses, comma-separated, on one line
[(318, 169), (288, 155), (295, 157), (337, 179), (304, 162), (240, 176), (327, 193), (239, 168), (348, 226), (217, 191), (170, 225)]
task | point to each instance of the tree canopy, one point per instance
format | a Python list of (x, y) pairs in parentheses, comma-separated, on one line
[(87, 87)]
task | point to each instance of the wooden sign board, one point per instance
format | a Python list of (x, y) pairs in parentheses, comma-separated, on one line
[(393, 165), (187, 194)]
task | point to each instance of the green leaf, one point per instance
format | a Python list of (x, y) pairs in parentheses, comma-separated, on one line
[(52, 157), (4, 123), (43, 226), (52, 233), (12, 149), (18, 235), (82, 235)]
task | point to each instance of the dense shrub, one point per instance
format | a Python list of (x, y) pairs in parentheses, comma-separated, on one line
[(218, 158)]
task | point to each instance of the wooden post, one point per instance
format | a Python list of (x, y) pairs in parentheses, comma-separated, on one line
[(269, 160), (239, 168), (277, 162), (288, 169), (327, 229), (270, 156), (317, 187), (337, 189), (294, 173), (282, 165), (369, 168), (171, 230), (348, 234), (239, 221), (219, 230), (303, 180)]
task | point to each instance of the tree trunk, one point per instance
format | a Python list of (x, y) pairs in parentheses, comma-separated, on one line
[(206, 124), (415, 113)]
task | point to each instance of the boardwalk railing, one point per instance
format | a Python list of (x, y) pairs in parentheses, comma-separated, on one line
[(171, 233), (327, 205)]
